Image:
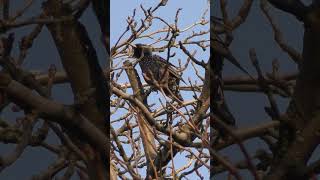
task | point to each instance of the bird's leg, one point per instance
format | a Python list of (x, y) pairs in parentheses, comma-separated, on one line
[(173, 96), (165, 85), (149, 78), (169, 115), (169, 109)]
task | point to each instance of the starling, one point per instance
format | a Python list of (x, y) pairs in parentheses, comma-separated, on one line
[(158, 72)]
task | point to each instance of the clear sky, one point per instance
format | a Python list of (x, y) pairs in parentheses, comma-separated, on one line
[(191, 12)]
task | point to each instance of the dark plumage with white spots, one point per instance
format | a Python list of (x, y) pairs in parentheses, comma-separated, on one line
[(155, 69)]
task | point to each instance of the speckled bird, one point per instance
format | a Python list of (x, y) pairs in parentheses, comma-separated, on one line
[(157, 69)]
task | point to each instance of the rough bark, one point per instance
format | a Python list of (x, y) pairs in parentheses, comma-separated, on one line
[(80, 62), (146, 132), (303, 113)]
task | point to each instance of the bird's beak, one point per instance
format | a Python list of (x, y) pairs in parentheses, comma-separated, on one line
[(130, 50), (134, 46)]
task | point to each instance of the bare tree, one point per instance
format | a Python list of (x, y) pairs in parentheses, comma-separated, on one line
[(150, 131), (82, 126), (292, 136)]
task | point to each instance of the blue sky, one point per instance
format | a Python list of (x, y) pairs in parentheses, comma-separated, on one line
[(191, 12)]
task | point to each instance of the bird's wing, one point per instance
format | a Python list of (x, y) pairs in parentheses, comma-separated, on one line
[(171, 68)]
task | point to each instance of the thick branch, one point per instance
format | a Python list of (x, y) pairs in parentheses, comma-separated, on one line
[(87, 80), (64, 115), (294, 7)]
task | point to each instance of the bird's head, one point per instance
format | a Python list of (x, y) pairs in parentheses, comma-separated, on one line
[(141, 49)]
